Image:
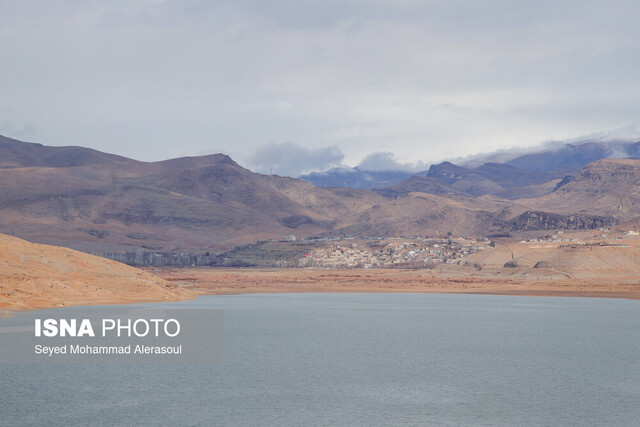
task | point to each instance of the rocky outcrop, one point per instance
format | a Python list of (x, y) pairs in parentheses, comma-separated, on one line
[(536, 220)]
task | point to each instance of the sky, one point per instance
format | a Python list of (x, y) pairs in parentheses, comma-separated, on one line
[(290, 86)]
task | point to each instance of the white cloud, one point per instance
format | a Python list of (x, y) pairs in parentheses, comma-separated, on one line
[(425, 80), (10, 129), (291, 159), (385, 161)]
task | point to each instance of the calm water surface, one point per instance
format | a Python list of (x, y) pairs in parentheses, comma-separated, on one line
[(364, 359)]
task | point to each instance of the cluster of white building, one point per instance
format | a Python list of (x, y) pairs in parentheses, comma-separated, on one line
[(392, 252)]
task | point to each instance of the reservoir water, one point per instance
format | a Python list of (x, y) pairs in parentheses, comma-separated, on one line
[(364, 359)]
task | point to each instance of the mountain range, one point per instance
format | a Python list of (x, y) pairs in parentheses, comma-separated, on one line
[(561, 160), (97, 202), (355, 178)]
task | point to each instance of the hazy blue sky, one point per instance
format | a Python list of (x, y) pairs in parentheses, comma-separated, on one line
[(309, 84)]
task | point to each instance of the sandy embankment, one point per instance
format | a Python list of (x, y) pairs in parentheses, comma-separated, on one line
[(41, 276), (236, 281)]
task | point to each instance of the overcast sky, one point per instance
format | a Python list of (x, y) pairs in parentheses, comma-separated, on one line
[(298, 85)]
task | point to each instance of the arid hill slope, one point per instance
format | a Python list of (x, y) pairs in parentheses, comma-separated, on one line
[(39, 276), (605, 187), (592, 261), (17, 154), (202, 203), (97, 202), (180, 203)]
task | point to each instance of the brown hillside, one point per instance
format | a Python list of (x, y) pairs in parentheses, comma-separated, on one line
[(592, 261), (97, 202), (609, 187), (206, 202), (40, 276), (16, 154)]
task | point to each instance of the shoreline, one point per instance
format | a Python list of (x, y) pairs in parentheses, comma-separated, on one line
[(7, 313), (233, 281), (523, 293), (242, 281)]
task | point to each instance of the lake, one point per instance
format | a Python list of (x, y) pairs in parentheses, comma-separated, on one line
[(363, 359)]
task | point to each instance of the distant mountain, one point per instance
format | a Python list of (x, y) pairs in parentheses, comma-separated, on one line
[(186, 202), (16, 153), (355, 178), (607, 186), (419, 184), (515, 177), (572, 156), (491, 178), (97, 202), (196, 203), (526, 176)]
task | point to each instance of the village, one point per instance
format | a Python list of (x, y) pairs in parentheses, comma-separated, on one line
[(345, 252), (396, 252), (326, 253)]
